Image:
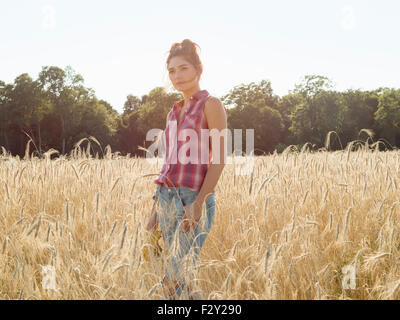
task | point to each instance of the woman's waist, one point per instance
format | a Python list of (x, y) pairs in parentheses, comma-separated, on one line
[(169, 163), (180, 191)]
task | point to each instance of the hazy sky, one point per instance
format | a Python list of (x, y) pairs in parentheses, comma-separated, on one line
[(120, 47)]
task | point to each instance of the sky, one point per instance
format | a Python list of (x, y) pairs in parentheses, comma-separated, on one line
[(121, 47)]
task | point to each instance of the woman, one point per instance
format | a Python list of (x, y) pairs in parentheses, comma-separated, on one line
[(188, 180)]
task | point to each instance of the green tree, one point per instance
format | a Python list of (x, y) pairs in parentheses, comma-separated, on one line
[(5, 89), (248, 94), (387, 116), (109, 108), (93, 119), (64, 89), (132, 103), (254, 106), (27, 107), (319, 112), (359, 108), (286, 107), (266, 122)]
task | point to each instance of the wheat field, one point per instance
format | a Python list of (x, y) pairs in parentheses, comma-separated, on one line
[(284, 232)]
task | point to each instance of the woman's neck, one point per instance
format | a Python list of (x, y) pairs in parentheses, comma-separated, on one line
[(189, 93)]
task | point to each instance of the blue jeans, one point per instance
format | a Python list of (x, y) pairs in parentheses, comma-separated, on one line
[(170, 211)]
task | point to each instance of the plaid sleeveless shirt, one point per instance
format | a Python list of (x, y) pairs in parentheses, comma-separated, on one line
[(188, 150)]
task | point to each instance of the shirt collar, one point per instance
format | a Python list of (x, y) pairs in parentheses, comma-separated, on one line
[(197, 96)]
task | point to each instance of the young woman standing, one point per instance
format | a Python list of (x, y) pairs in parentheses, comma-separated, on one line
[(184, 184)]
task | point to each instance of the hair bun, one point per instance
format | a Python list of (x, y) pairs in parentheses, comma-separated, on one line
[(187, 44)]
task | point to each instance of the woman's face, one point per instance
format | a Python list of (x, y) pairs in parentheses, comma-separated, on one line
[(182, 74)]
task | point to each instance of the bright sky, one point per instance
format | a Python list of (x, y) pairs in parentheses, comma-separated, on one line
[(120, 47)]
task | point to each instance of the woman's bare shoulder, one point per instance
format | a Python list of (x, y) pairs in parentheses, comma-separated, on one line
[(214, 102), (213, 105), (214, 109)]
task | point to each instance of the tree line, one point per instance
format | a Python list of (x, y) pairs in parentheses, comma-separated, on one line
[(56, 110)]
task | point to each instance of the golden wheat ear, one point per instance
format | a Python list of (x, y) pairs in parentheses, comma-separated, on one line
[(155, 237), (152, 244), (149, 243)]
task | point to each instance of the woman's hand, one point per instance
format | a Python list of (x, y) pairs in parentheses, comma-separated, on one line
[(192, 216), (152, 223)]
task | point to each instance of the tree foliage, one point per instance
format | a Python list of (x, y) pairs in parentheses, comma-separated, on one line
[(57, 110)]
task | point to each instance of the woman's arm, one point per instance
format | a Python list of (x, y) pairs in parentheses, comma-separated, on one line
[(217, 124), (216, 117)]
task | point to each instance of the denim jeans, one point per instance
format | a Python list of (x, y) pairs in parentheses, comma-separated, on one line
[(170, 211)]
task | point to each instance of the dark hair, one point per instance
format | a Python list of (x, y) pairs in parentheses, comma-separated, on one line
[(188, 50)]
